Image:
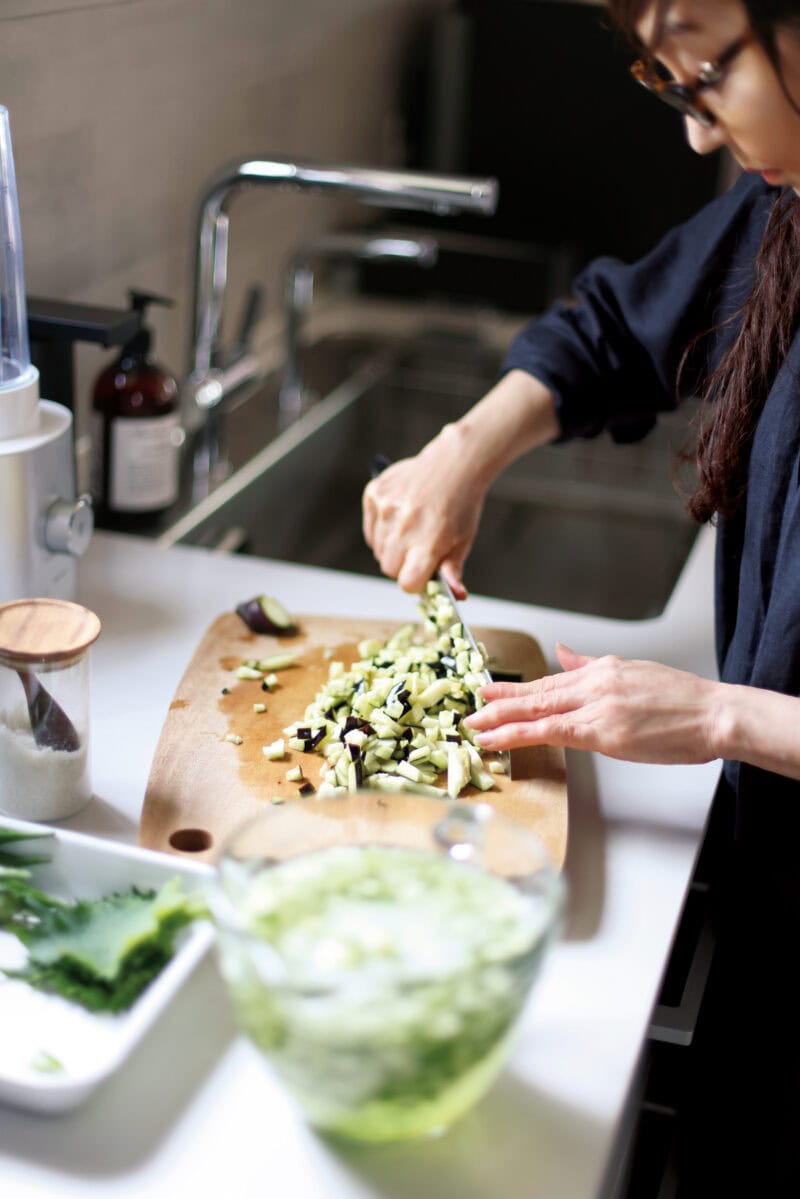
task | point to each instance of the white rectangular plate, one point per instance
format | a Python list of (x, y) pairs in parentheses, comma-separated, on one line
[(90, 1046)]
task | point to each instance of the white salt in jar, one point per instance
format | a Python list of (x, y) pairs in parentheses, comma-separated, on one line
[(44, 707)]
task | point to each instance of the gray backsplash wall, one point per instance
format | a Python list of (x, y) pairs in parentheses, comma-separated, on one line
[(121, 109)]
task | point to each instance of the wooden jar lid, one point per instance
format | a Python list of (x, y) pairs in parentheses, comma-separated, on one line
[(45, 630)]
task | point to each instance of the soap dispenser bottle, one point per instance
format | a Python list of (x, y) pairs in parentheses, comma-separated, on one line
[(137, 434)]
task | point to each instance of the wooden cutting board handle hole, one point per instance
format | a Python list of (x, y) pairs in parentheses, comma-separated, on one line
[(191, 840)]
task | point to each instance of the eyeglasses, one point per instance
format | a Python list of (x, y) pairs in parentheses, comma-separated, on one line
[(685, 97)]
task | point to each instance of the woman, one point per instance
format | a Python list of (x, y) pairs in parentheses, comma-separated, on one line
[(714, 308), (634, 327)]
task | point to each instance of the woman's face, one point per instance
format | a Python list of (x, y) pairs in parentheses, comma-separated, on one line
[(754, 117)]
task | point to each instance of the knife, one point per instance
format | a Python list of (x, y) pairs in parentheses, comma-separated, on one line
[(467, 631), (378, 463), (503, 755)]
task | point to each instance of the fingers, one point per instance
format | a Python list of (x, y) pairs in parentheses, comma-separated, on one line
[(535, 713), (510, 710), (569, 659), (545, 688), (419, 566), (524, 715), (390, 554), (549, 730), (415, 569), (508, 703), (378, 505), (547, 685), (491, 692), (451, 570), (549, 693), (388, 528), (407, 543)]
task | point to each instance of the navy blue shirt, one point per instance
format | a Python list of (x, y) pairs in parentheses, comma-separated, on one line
[(612, 359)]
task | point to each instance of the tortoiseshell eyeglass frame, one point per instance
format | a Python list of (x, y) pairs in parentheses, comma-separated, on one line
[(685, 97)]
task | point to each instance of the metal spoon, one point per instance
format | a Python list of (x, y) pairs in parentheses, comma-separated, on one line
[(50, 725)]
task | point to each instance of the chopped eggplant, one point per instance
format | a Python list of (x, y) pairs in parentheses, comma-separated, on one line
[(393, 720), (265, 614)]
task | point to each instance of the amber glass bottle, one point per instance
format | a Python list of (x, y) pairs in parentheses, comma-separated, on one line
[(137, 434)]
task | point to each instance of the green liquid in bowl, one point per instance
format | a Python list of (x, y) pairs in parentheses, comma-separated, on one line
[(395, 981)]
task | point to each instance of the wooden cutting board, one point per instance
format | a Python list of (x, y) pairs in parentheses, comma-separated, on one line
[(202, 786)]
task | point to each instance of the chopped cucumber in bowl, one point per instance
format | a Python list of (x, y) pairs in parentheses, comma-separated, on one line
[(379, 954)]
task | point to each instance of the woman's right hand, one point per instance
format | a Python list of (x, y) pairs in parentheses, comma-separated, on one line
[(421, 514)]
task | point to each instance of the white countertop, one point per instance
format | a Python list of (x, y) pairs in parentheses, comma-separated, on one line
[(194, 1111)]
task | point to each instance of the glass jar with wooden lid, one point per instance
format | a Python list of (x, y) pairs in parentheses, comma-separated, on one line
[(44, 707)]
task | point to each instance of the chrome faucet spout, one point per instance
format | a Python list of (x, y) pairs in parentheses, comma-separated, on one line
[(416, 190)]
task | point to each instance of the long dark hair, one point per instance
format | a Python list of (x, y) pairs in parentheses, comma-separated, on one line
[(735, 392)]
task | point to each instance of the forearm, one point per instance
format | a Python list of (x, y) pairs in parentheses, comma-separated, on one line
[(759, 727), (518, 414)]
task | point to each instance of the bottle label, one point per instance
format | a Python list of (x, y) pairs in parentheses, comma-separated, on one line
[(143, 463)]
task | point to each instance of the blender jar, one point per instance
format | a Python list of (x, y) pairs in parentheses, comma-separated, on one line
[(44, 528), (19, 381)]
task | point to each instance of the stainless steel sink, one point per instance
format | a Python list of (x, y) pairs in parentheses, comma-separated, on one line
[(588, 526)]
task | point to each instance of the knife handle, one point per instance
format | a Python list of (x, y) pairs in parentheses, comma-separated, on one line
[(378, 464)]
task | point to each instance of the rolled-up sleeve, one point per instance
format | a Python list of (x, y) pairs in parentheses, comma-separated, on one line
[(611, 355)]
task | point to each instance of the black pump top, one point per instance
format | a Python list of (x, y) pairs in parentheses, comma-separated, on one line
[(139, 345)]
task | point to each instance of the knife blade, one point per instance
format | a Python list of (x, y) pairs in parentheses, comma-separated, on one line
[(378, 463), (469, 637), (467, 631)]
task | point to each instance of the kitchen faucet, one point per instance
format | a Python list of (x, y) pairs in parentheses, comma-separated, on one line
[(365, 247), (414, 190)]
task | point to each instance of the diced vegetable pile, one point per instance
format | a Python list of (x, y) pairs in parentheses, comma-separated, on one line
[(395, 720)]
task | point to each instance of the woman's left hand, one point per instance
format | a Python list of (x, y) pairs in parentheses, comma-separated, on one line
[(635, 711)]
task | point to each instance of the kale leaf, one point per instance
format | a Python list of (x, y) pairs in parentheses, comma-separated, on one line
[(101, 953)]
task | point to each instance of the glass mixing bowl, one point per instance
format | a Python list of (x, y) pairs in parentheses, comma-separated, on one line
[(379, 950)]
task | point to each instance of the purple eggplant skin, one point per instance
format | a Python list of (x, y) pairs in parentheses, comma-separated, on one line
[(262, 614)]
